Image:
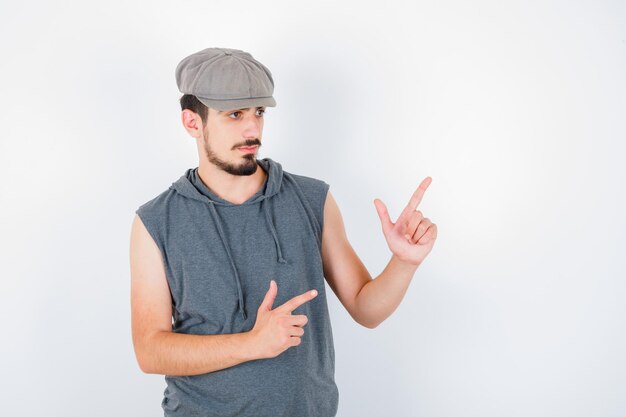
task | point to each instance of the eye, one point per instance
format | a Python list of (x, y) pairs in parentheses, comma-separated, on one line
[(235, 113)]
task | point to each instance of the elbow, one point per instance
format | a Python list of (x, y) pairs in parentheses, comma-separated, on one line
[(145, 355), (363, 321), (144, 364), (371, 326), (368, 325), (361, 313), (144, 360), (148, 367)]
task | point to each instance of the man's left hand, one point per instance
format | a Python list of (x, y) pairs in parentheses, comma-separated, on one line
[(412, 236)]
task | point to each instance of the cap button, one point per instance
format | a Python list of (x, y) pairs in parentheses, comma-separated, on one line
[(228, 53)]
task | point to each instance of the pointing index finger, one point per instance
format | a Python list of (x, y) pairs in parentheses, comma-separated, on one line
[(297, 301), (416, 198)]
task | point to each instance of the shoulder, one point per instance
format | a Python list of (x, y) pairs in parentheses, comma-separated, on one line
[(152, 214), (315, 193), (156, 204), (314, 188), (158, 211)]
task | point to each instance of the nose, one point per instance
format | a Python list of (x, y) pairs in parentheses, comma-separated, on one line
[(253, 127)]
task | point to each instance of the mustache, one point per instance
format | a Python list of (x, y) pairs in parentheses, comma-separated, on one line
[(251, 142)]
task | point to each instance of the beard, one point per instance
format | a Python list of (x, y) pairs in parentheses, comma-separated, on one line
[(247, 166)]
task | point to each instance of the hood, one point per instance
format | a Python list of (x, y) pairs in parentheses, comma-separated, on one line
[(185, 186)]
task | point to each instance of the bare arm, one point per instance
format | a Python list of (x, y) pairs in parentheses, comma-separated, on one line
[(157, 348), (379, 298), (169, 353), (369, 301)]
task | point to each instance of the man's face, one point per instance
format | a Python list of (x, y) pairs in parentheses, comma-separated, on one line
[(230, 130)]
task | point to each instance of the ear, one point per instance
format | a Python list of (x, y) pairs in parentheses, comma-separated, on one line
[(192, 123)]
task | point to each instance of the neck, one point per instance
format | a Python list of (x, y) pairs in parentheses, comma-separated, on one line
[(233, 188)]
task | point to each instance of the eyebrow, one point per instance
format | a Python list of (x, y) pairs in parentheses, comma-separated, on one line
[(244, 109)]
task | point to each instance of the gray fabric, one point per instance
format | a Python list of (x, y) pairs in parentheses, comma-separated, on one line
[(219, 259), (226, 78)]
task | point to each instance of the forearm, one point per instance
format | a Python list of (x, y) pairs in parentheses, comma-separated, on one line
[(380, 297), (169, 353)]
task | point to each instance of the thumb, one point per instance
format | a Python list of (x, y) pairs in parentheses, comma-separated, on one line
[(383, 214), (270, 296)]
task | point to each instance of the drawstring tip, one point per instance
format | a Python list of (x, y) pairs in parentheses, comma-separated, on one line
[(282, 260)]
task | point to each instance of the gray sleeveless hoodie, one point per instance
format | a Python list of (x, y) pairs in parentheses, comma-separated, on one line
[(219, 259)]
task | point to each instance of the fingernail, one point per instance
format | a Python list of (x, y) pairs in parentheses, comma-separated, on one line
[(314, 293)]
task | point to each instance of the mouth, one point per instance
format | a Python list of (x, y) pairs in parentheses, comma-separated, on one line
[(248, 149)]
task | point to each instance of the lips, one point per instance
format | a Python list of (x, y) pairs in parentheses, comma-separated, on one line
[(248, 149)]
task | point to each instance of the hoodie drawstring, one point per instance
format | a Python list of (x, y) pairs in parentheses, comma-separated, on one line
[(220, 230), (218, 224), (186, 186), (273, 230)]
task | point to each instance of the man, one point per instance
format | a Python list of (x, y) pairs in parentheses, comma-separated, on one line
[(236, 252)]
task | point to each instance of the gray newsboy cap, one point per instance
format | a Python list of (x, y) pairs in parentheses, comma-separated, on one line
[(225, 79)]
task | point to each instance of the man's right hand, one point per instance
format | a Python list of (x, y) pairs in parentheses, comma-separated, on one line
[(277, 330)]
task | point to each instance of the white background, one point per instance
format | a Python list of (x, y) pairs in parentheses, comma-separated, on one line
[(517, 110)]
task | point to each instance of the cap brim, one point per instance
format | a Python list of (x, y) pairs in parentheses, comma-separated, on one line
[(240, 103)]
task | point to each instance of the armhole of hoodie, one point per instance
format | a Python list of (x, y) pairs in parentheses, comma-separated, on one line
[(149, 221), (152, 230), (315, 191), (324, 192)]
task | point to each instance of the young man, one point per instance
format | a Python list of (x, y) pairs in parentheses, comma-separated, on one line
[(236, 252)]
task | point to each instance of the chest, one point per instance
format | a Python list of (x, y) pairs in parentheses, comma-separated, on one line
[(207, 248)]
